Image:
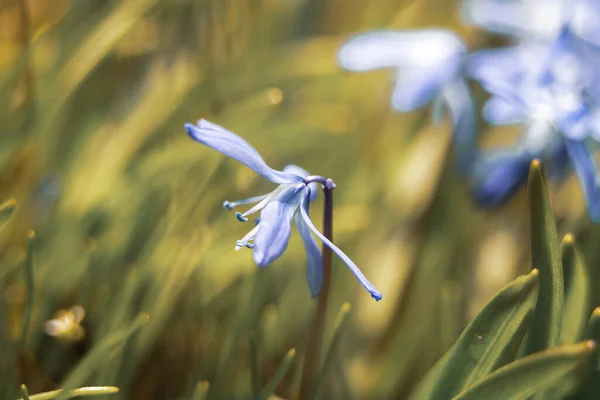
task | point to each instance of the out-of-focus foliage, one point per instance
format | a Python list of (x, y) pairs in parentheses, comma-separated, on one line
[(131, 279)]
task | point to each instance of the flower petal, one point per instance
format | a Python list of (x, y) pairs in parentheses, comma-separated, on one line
[(499, 174), (274, 228), (296, 170), (355, 270), (314, 261), (542, 18), (582, 159), (416, 87), (395, 49), (499, 111), (459, 102), (233, 146), (494, 15)]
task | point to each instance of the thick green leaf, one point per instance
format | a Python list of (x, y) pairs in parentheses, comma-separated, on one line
[(577, 292), (524, 377), (489, 341), (546, 325), (593, 333), (591, 388)]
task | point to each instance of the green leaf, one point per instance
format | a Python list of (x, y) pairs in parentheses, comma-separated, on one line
[(546, 325), (340, 323), (577, 292), (201, 391), (29, 275), (81, 392), (489, 341), (591, 387), (593, 333), (271, 386), (524, 377), (98, 354)]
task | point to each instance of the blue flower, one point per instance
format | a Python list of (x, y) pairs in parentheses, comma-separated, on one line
[(552, 89), (536, 19), (289, 202), (429, 66)]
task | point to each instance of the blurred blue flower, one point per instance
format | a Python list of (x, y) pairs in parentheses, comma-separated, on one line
[(429, 66), (536, 19), (289, 201), (551, 89)]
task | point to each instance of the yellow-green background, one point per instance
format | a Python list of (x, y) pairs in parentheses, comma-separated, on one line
[(127, 209)]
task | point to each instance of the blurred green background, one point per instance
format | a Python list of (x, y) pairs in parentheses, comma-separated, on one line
[(127, 209)]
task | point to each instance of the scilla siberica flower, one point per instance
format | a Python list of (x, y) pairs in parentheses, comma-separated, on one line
[(289, 201), (548, 81), (429, 67)]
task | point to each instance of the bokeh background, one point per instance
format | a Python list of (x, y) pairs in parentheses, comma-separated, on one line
[(127, 209)]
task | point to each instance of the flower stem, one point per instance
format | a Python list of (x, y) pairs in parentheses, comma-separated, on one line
[(315, 339)]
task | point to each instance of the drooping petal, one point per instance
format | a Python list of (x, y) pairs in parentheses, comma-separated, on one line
[(296, 170), (314, 261), (582, 159), (275, 224), (233, 146), (459, 102), (499, 111), (499, 174), (355, 270), (396, 49)]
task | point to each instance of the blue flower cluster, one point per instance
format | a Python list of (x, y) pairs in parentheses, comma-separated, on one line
[(547, 80)]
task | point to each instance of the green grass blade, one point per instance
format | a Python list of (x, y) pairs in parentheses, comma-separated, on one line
[(81, 392), (524, 377), (98, 354), (285, 365), (488, 342), (202, 389), (577, 292), (546, 325), (25, 392), (332, 351), (593, 333), (29, 275), (254, 365)]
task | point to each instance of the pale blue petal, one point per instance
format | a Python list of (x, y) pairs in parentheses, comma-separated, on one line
[(459, 102), (396, 49), (416, 87), (314, 261), (296, 170), (233, 146), (499, 174), (495, 15), (499, 111), (355, 270), (584, 20), (275, 224), (584, 164), (541, 18)]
